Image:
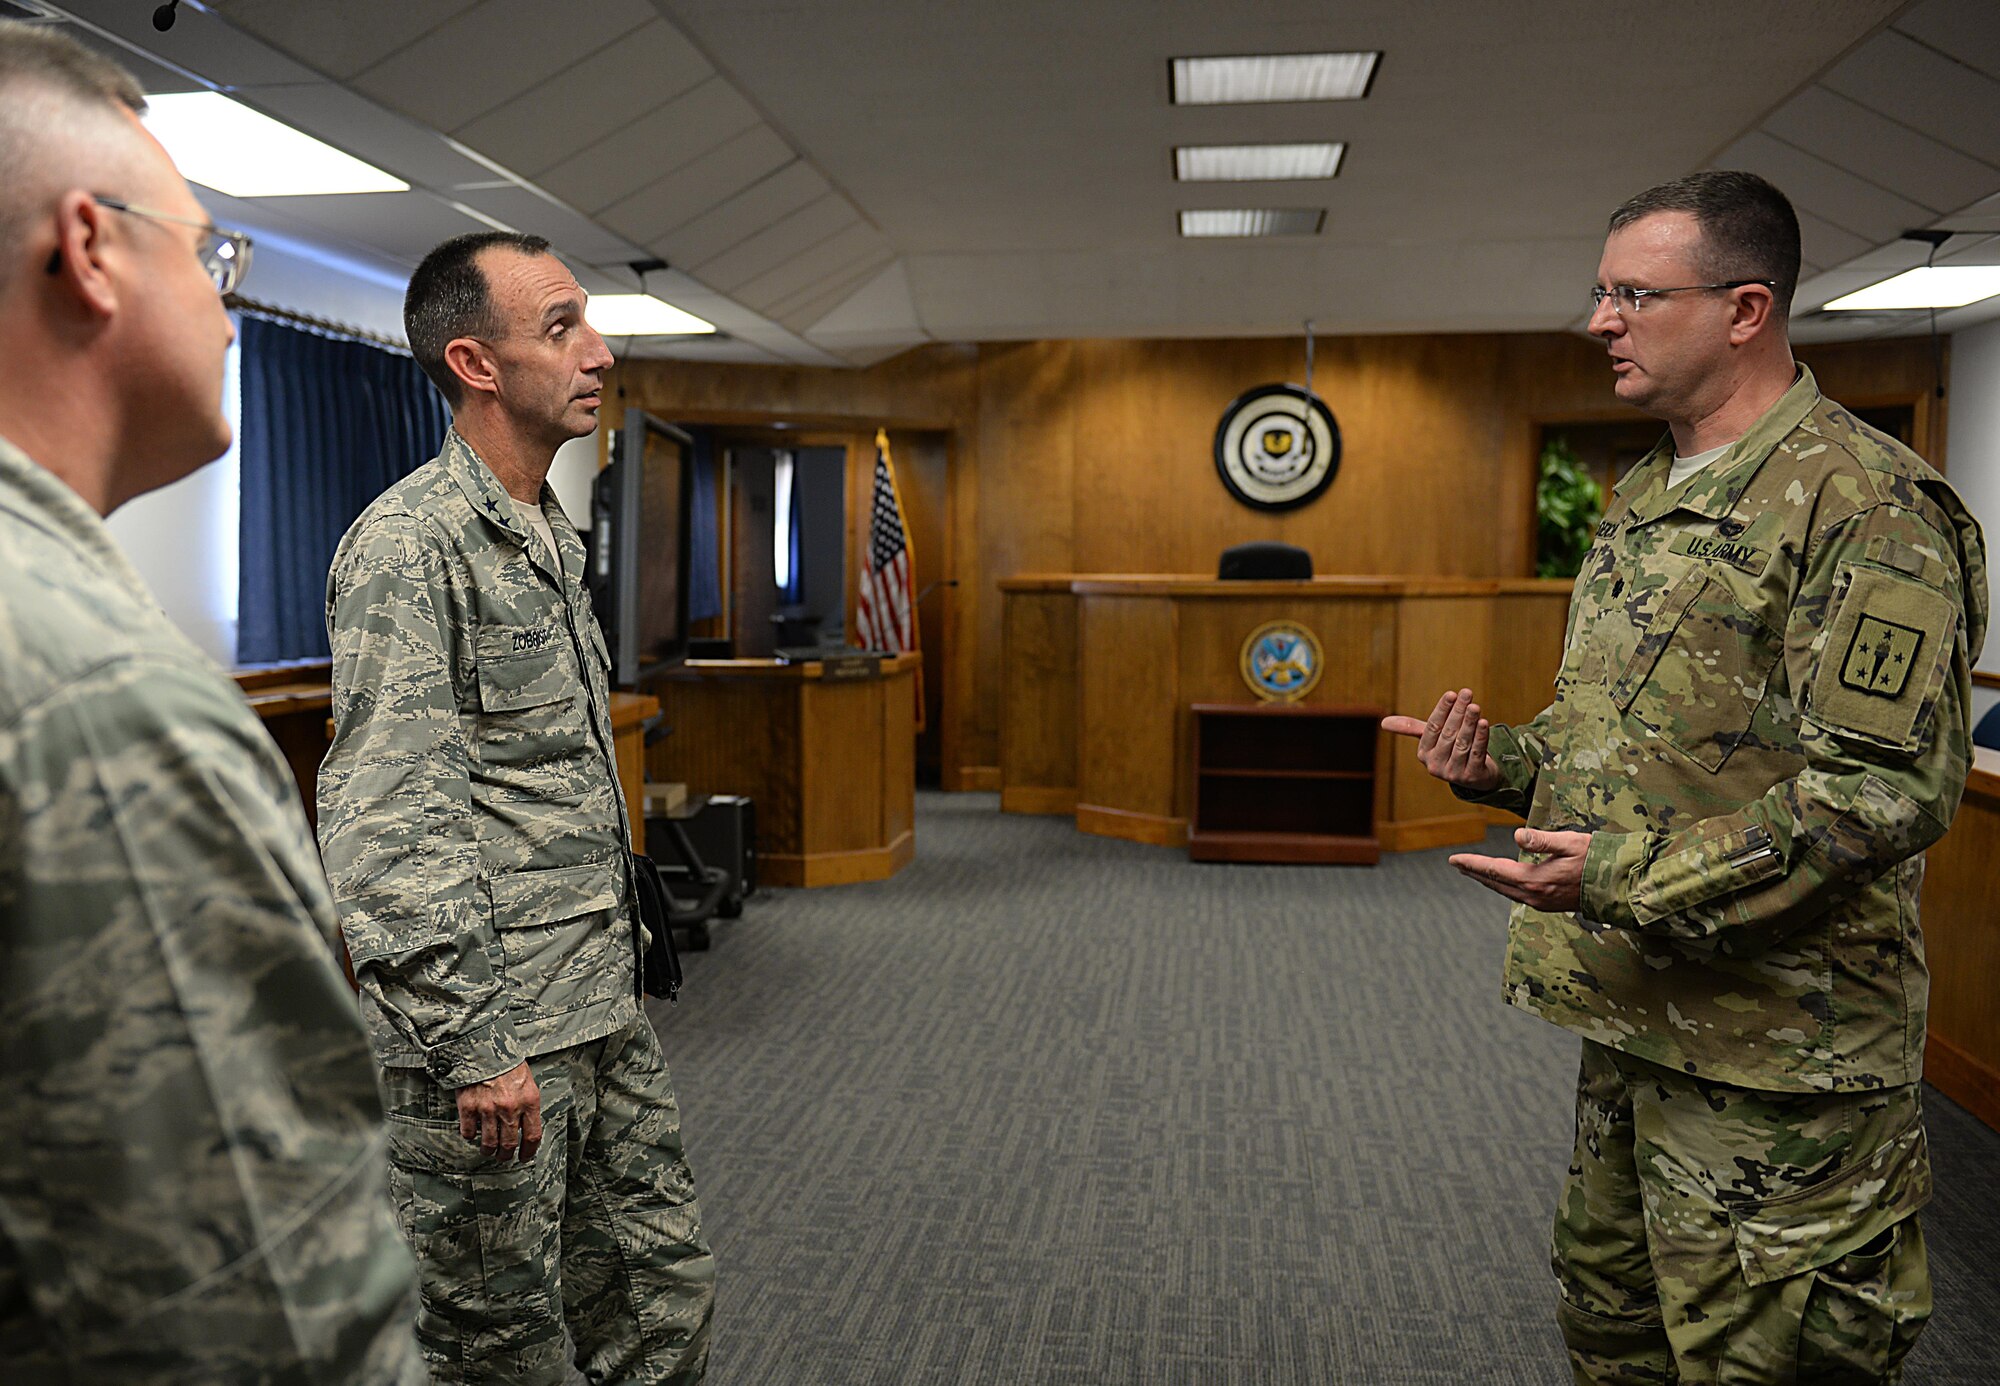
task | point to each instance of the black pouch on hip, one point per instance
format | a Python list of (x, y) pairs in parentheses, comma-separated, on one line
[(659, 964)]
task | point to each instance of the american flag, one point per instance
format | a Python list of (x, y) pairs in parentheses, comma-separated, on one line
[(887, 614)]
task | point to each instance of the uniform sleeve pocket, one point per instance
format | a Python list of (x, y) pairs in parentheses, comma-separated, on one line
[(1691, 878), (1884, 661)]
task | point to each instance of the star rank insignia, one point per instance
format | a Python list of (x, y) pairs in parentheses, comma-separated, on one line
[(1879, 657)]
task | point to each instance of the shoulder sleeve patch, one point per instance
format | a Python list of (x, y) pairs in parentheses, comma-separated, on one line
[(1885, 656)]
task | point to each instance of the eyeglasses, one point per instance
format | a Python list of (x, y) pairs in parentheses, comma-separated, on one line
[(1627, 300), (224, 255)]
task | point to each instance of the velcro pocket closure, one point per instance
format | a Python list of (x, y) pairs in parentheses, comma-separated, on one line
[(1781, 1237), (1884, 660), (521, 667), (522, 899)]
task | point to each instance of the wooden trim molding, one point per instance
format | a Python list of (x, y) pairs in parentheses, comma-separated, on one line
[(1132, 827), (1967, 1081), (1038, 798), (1984, 679), (839, 868)]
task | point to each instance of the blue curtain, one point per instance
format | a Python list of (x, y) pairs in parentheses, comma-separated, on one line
[(704, 559), (328, 425)]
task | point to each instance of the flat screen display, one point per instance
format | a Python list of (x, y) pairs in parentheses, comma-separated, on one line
[(650, 545)]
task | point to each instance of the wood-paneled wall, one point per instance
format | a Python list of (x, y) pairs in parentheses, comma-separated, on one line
[(1095, 456)]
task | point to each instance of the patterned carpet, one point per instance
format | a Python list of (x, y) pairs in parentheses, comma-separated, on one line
[(1050, 1108)]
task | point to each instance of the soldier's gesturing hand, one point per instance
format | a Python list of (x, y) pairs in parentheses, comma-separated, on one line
[(1452, 743), (1553, 882), (503, 1114)]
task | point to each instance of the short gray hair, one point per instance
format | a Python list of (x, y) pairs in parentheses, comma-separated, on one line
[(1748, 227), (43, 71)]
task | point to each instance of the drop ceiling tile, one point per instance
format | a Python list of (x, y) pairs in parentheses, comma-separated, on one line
[(789, 236), (403, 226), (744, 215), (810, 269), (1826, 245), (1946, 100), (700, 184), (682, 130), (476, 60), (589, 100), (801, 311), (1890, 155), (199, 43), (573, 234), (340, 40), (153, 78), (413, 152), (1830, 193), (1969, 30)]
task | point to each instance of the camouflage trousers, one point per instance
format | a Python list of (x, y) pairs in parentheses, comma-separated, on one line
[(599, 1234), (1708, 1233)]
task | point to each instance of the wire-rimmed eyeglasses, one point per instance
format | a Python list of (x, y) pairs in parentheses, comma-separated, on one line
[(1626, 300), (225, 255)]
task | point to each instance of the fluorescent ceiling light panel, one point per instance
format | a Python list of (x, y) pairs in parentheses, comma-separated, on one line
[(223, 144), (1939, 286), (1255, 163), (1254, 221), (641, 315), (1275, 77)]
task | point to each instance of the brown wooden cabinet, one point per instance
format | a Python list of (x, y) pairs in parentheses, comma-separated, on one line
[(1284, 782)]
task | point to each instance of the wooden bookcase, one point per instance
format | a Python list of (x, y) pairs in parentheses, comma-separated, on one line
[(1284, 782)]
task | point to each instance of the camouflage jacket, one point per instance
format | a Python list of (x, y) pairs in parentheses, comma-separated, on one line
[(1763, 718), (191, 1188), (469, 808)]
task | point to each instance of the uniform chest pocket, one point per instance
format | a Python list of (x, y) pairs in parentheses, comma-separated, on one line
[(522, 667), (1699, 671)]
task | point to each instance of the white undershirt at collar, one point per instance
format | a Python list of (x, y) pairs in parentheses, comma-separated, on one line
[(1685, 467)]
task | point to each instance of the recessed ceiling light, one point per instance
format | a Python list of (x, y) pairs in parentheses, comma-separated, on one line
[(1273, 77), (641, 315), (223, 144), (1253, 221), (1939, 286), (1254, 163)]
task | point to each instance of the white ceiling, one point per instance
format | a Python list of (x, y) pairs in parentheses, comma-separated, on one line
[(835, 182)]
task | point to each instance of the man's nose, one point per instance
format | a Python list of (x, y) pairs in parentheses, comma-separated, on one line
[(1604, 320)]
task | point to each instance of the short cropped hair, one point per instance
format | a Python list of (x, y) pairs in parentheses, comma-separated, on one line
[(449, 298), (43, 71), (1748, 228)]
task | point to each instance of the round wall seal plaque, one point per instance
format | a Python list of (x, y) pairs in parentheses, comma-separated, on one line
[(1277, 447), (1282, 661)]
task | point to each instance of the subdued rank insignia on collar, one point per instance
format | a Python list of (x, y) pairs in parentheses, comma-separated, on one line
[(1879, 657)]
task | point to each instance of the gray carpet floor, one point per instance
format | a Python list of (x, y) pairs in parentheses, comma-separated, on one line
[(1051, 1108)]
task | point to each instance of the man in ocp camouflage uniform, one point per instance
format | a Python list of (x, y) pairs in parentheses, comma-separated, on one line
[(191, 1180), (1760, 723), (476, 836)]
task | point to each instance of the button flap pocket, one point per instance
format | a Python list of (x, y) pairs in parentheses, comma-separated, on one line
[(1659, 631), (521, 667), (522, 899), (1700, 671), (1781, 1237)]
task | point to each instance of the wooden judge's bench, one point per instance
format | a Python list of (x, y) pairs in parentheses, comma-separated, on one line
[(1103, 675)]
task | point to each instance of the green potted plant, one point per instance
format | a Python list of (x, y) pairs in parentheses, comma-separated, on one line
[(1568, 503)]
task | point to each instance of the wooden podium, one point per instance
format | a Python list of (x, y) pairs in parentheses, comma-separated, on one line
[(829, 761)]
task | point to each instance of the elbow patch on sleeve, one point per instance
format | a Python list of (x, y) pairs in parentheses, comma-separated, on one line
[(1888, 646)]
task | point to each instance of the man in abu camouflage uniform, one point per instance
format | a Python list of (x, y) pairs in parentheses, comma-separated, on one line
[(476, 836), (1759, 725), (191, 1183)]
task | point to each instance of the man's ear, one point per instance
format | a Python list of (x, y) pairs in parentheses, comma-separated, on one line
[(1756, 309), (79, 261), (469, 360)]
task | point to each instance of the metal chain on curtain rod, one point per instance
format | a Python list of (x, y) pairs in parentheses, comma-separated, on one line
[(326, 327)]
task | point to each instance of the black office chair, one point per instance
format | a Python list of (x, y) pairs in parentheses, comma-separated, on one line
[(1264, 562), (1987, 733)]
